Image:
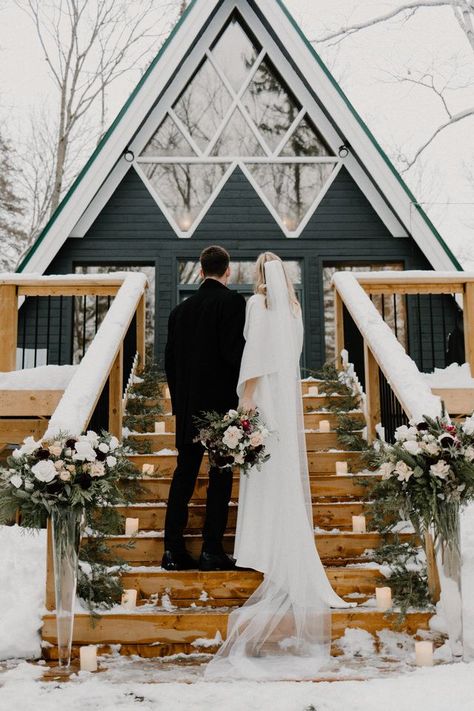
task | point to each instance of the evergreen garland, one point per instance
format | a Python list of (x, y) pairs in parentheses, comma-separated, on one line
[(144, 406)]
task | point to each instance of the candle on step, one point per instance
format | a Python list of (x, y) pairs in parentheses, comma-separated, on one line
[(88, 657), (167, 393), (131, 526), (359, 525), (324, 426), (160, 428), (384, 599), (129, 599), (341, 467), (424, 653), (313, 391), (148, 469)]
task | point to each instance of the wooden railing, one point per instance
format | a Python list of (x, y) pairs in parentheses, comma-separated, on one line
[(389, 375), (103, 362)]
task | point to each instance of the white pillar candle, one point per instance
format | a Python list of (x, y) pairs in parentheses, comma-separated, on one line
[(131, 526), (424, 653), (359, 525), (324, 426), (167, 393), (341, 467), (148, 469), (88, 658), (313, 391), (160, 427), (384, 599), (129, 599)]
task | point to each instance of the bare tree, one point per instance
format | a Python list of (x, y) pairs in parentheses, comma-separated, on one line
[(88, 46), (427, 79)]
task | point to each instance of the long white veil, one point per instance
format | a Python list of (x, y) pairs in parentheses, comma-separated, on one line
[(283, 630)]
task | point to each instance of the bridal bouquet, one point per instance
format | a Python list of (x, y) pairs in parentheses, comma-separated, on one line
[(429, 470), (65, 472), (235, 439)]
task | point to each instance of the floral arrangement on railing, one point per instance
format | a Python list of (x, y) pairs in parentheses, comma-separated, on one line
[(62, 472), (429, 472)]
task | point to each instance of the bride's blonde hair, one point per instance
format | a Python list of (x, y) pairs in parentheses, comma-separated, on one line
[(261, 282)]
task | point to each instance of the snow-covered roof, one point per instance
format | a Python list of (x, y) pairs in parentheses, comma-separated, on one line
[(384, 187)]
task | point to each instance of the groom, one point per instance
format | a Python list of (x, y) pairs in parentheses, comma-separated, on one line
[(202, 362)]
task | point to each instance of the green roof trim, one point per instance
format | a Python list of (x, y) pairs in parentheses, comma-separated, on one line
[(103, 141), (370, 135)]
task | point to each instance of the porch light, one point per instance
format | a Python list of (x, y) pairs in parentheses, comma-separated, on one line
[(129, 156), (185, 221), (290, 223), (343, 151)]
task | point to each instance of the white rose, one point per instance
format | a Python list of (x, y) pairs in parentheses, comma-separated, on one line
[(59, 464), (92, 437), (233, 413), (404, 433), (64, 475), (256, 439), (29, 446), (239, 458), (97, 469), (113, 443), (468, 426), (403, 471), (44, 471), (55, 450), (232, 437), (431, 448), (440, 469), (103, 447), (111, 461), (84, 452), (412, 447), (469, 453), (16, 480), (386, 470)]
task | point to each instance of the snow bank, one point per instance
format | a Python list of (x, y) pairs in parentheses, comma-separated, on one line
[(46, 377), (454, 376), (400, 370), (22, 576)]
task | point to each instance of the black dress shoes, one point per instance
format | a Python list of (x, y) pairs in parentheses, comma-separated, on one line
[(216, 561), (178, 561)]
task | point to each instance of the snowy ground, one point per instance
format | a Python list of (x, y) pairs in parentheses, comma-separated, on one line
[(361, 679)]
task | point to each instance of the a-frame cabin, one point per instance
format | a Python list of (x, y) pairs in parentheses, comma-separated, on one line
[(237, 134)]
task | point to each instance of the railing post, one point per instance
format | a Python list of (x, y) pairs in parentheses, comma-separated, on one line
[(115, 395), (141, 332), (50, 602), (8, 326), (372, 391), (338, 327), (468, 311)]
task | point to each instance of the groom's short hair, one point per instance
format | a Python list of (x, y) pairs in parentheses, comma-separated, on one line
[(214, 261)]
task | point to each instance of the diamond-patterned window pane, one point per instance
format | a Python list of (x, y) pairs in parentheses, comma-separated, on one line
[(184, 188), (168, 141), (203, 104), (235, 53), (237, 139), (270, 103), (306, 141), (292, 188)]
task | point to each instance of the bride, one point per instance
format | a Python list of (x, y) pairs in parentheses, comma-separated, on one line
[(283, 631)]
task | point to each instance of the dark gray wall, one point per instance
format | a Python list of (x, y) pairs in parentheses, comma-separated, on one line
[(344, 229)]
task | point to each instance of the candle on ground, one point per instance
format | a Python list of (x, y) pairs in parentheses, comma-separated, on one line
[(88, 657), (424, 653), (160, 427), (148, 469), (313, 391), (384, 599), (324, 426), (341, 467), (167, 393), (359, 525), (129, 599), (131, 526)]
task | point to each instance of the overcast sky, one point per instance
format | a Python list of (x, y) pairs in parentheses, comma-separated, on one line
[(400, 115)]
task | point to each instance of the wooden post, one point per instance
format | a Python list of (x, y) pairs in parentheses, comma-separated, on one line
[(434, 585), (468, 310), (8, 326), (372, 391), (50, 601), (338, 327), (115, 395), (141, 332)]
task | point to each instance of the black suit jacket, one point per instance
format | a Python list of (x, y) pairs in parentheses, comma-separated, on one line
[(203, 354)]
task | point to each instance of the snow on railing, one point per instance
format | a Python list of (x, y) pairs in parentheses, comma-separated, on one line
[(81, 395), (400, 371)]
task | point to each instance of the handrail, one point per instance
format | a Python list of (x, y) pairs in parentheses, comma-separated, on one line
[(102, 360), (382, 351)]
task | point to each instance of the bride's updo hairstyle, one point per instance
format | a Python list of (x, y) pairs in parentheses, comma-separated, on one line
[(261, 282)]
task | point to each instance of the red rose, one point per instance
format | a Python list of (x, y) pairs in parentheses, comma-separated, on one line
[(245, 425)]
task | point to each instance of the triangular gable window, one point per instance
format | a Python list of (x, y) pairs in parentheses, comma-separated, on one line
[(237, 110)]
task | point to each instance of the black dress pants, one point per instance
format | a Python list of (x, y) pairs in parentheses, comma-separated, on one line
[(182, 487)]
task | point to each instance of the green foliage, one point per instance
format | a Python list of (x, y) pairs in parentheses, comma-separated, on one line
[(349, 432)]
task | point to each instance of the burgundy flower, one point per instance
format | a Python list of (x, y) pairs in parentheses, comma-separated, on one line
[(422, 426), (245, 425), (71, 442), (449, 428), (101, 456), (42, 453), (447, 441)]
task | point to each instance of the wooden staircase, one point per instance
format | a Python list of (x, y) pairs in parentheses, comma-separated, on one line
[(177, 610)]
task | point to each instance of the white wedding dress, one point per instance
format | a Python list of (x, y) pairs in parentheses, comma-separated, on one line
[(283, 631)]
